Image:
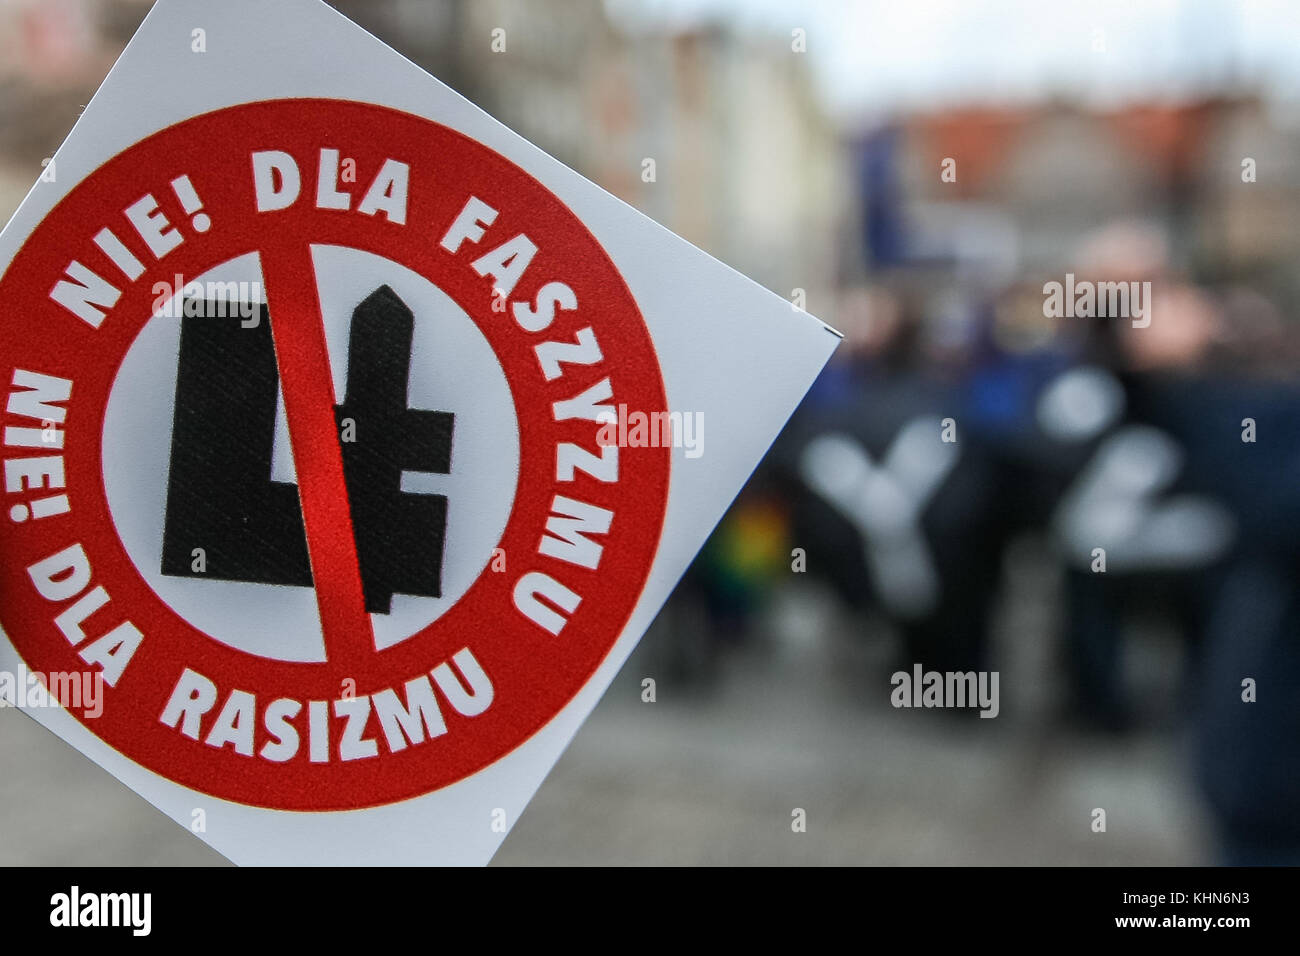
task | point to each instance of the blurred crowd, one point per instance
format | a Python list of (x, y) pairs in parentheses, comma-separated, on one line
[(1159, 462)]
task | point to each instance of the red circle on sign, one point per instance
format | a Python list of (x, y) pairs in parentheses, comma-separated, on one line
[(533, 673)]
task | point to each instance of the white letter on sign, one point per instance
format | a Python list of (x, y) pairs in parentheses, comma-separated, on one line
[(193, 697), (469, 224), (535, 584), (266, 165), (388, 194), (153, 226), (567, 528), (478, 698), (327, 193), (63, 575), (87, 295)]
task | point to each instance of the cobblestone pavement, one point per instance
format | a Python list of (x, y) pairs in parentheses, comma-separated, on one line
[(712, 774)]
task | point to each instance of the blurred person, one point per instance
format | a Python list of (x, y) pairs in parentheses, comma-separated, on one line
[(1238, 422), (728, 585), (1131, 532), (891, 499), (1256, 341), (1199, 384)]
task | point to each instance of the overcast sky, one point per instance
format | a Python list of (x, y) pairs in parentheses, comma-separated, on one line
[(878, 55)]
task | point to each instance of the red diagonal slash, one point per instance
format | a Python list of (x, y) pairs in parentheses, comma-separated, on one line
[(298, 328)]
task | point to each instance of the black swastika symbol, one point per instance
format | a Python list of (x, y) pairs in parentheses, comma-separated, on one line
[(220, 495)]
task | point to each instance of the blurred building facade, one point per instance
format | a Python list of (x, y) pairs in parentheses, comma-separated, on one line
[(711, 131), (693, 127), (1218, 176)]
